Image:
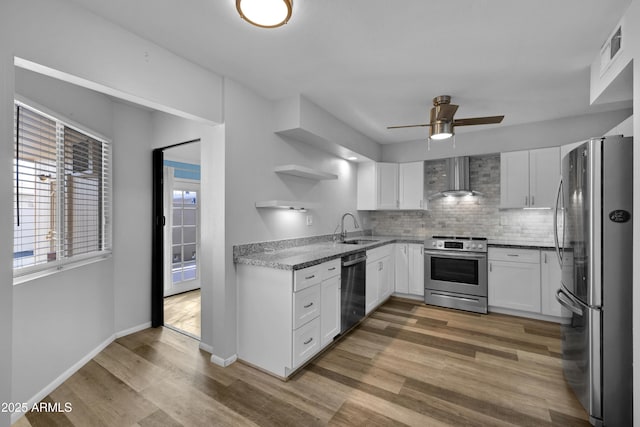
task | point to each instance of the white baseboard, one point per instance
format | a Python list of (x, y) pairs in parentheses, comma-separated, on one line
[(206, 347), (133, 330), (63, 377), (217, 360)]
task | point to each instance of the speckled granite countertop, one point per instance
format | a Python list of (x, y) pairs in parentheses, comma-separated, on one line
[(300, 257), (497, 243)]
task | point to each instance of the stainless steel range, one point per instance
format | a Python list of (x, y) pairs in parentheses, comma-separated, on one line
[(455, 272)]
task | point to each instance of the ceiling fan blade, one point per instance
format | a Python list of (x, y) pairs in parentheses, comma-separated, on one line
[(446, 111), (408, 126), (478, 121)]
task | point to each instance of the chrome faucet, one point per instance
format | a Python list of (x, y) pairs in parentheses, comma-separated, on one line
[(343, 232)]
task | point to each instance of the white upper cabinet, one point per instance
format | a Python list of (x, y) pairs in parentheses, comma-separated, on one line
[(387, 184), (544, 177), (529, 179), (514, 179), (390, 186), (411, 185)]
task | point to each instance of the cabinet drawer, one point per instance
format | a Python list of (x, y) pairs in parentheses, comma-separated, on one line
[(306, 305), (307, 277), (514, 255), (306, 342), (377, 253), (330, 269)]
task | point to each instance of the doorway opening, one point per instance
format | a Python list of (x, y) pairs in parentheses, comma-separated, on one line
[(176, 297)]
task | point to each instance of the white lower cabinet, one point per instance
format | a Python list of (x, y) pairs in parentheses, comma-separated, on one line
[(416, 269), (306, 342), (285, 317), (379, 276), (514, 279), (330, 310), (409, 268), (306, 305), (550, 281), (525, 282), (402, 268)]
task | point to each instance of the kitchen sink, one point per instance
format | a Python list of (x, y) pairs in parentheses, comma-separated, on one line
[(358, 241)]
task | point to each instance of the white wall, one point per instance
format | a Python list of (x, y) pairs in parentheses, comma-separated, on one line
[(550, 133), (61, 39), (252, 151), (169, 130), (6, 225), (632, 18), (132, 226), (62, 317), (72, 41), (57, 321)]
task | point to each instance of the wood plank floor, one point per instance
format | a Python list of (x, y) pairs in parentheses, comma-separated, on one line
[(182, 311), (407, 364)]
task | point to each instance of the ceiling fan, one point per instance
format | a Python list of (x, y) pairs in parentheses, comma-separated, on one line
[(442, 123)]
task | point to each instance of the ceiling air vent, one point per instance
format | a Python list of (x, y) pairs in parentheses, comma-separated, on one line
[(611, 50)]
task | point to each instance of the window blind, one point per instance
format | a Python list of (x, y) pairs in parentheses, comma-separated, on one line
[(62, 204)]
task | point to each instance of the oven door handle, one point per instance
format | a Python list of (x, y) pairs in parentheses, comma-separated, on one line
[(479, 256)]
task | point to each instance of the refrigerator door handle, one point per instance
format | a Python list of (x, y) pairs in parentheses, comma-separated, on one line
[(555, 223), (566, 302)]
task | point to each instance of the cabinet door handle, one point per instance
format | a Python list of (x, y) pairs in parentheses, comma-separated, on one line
[(379, 265), (308, 341), (308, 305), (513, 255), (310, 277), (545, 258), (404, 248), (526, 200), (490, 267), (533, 200), (332, 268)]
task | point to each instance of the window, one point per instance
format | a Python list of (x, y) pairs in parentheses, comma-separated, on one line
[(184, 229), (62, 193)]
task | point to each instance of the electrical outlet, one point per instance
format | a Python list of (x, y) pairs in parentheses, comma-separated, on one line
[(309, 220)]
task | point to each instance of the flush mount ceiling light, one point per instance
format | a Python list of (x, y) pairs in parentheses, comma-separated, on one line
[(265, 13)]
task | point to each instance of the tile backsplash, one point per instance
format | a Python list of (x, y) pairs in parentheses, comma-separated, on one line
[(469, 215)]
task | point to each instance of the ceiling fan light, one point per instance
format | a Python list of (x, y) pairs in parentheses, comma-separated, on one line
[(441, 130), (265, 13)]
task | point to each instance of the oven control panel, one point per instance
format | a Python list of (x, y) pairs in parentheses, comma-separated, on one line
[(457, 244)]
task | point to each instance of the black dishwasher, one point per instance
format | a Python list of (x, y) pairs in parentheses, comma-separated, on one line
[(353, 275)]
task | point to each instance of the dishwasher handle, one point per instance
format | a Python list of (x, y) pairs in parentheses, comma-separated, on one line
[(354, 261)]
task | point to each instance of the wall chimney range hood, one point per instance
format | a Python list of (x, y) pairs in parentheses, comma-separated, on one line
[(457, 170)]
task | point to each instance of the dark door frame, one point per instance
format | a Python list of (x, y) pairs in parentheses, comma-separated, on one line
[(157, 235)]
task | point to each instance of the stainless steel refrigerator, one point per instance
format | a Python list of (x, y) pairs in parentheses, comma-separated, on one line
[(593, 225)]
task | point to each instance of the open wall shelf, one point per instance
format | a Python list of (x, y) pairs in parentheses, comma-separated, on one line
[(304, 172), (284, 204)]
